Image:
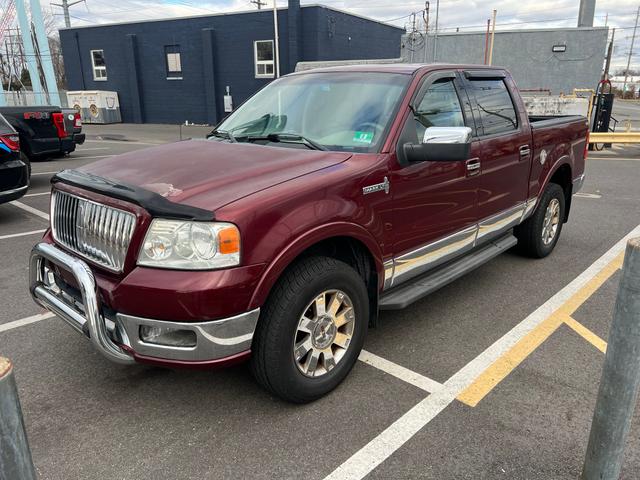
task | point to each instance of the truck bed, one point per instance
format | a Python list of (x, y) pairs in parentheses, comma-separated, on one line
[(542, 121)]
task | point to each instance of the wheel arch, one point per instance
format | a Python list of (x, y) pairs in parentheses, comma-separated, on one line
[(561, 174), (344, 241)]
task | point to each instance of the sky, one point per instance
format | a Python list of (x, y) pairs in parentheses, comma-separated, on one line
[(467, 15)]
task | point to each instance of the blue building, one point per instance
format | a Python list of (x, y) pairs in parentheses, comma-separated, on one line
[(169, 71)]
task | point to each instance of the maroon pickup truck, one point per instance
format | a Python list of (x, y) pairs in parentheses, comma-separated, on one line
[(328, 196)]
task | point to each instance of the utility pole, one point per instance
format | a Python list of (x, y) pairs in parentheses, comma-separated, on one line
[(435, 33), (65, 8), (277, 42), (425, 17), (633, 39), (493, 36), (607, 64), (258, 3)]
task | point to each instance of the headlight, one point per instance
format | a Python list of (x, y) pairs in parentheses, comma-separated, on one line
[(190, 245)]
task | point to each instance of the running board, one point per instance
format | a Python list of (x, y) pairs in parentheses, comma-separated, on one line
[(404, 295)]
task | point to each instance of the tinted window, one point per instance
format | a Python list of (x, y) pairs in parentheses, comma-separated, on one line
[(495, 106), (440, 107)]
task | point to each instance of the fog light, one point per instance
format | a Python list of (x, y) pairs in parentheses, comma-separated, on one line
[(167, 336)]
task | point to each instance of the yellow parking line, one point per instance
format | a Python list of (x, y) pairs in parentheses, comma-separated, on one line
[(587, 334), (504, 365)]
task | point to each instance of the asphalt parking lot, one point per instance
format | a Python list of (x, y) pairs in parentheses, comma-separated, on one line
[(493, 376)]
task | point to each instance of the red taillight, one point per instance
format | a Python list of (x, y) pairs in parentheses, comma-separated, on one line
[(77, 121), (12, 141), (58, 121)]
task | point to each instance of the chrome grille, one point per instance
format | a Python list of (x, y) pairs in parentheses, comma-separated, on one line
[(97, 232)]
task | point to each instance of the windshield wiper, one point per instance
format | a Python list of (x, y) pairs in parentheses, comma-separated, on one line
[(223, 134), (286, 138)]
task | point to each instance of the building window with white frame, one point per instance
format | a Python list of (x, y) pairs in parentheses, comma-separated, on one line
[(263, 54), (99, 66), (173, 61)]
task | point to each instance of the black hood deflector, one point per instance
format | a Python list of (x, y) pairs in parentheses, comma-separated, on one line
[(154, 203)]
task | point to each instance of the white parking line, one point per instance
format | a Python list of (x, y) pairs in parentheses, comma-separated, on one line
[(391, 439), (125, 142), (25, 321), (627, 159), (81, 157), (43, 193), (91, 149), (29, 209), (43, 173), (23, 234), (400, 372)]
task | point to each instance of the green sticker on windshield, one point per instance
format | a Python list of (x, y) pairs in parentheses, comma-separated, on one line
[(363, 137)]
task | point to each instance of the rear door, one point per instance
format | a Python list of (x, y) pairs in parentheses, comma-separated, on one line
[(505, 150)]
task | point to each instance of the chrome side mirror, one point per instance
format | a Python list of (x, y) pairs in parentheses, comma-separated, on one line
[(447, 135), (441, 144)]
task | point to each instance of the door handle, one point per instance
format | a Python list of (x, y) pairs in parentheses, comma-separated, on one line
[(473, 166), (525, 151)]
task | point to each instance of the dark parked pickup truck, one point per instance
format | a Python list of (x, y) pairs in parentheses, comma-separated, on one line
[(328, 196), (45, 130)]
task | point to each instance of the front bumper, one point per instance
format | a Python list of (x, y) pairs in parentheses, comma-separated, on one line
[(117, 335)]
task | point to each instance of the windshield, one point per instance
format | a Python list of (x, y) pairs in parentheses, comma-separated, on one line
[(346, 111)]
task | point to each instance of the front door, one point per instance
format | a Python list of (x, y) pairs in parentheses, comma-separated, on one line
[(434, 203)]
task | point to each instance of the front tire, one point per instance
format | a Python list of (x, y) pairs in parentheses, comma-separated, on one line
[(311, 330), (539, 234)]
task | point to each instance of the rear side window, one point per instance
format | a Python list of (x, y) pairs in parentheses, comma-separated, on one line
[(495, 106)]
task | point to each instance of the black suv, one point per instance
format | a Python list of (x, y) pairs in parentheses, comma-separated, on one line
[(14, 166)]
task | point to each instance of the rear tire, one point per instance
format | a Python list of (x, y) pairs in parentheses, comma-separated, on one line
[(538, 235), (301, 351)]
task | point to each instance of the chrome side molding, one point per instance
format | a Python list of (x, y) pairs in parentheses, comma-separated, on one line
[(416, 262)]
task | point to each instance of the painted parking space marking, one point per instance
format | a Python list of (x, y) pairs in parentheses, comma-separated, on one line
[(30, 209), (587, 334), (43, 173), (23, 234), (503, 366), (587, 195), (123, 142), (25, 321), (625, 159), (400, 372), (37, 194), (365, 460), (88, 157)]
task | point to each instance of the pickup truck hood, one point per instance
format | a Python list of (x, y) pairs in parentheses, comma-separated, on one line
[(209, 174)]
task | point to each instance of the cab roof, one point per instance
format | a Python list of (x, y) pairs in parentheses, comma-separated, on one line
[(402, 68)]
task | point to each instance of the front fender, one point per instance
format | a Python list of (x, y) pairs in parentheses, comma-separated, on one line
[(309, 238)]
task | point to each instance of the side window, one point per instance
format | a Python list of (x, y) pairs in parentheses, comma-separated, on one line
[(173, 61), (99, 67), (439, 107), (495, 106)]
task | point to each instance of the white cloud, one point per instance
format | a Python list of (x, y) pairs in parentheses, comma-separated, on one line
[(464, 14)]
